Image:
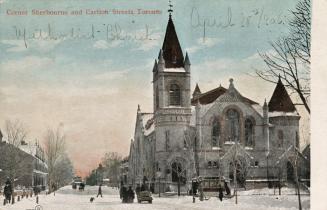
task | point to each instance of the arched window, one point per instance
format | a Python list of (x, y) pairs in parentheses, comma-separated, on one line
[(233, 125), (174, 95), (178, 173), (249, 133), (280, 138), (215, 133)]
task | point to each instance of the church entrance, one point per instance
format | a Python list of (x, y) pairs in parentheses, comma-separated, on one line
[(178, 173), (290, 172)]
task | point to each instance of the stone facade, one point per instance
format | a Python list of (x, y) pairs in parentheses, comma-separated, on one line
[(188, 137)]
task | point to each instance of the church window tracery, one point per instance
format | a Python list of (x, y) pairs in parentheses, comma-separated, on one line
[(233, 125), (249, 133)]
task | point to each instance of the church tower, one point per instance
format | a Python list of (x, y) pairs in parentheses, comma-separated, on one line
[(171, 102)]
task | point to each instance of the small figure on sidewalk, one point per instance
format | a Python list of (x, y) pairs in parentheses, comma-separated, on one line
[(99, 191), (124, 194), (221, 194), (7, 191), (130, 194), (227, 188)]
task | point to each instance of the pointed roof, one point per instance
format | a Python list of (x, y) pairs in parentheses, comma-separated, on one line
[(196, 91), (187, 60), (155, 66), (211, 95), (172, 51), (280, 100)]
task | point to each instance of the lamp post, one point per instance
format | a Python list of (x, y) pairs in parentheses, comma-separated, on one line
[(267, 156)]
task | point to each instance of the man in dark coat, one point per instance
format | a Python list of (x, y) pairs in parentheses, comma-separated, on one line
[(7, 191), (221, 194), (130, 194), (124, 194), (227, 188), (99, 191)]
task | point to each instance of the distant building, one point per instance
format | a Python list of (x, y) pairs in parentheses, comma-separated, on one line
[(186, 137), (32, 170)]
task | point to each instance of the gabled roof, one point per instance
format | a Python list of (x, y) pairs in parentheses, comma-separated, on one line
[(172, 51), (280, 100), (211, 95)]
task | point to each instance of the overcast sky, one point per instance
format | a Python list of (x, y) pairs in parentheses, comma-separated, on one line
[(90, 80)]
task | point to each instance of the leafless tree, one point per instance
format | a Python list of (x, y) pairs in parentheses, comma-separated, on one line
[(240, 161), (13, 160), (111, 163), (54, 150), (64, 171), (290, 56), (293, 156)]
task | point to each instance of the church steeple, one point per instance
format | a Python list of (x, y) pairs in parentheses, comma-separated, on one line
[(280, 100), (172, 51)]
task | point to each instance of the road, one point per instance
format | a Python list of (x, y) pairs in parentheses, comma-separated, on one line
[(69, 199)]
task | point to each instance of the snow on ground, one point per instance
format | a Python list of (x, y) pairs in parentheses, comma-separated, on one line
[(69, 199)]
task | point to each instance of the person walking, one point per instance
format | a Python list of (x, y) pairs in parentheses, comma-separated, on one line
[(227, 188), (99, 191), (130, 194), (7, 191), (124, 194), (220, 191)]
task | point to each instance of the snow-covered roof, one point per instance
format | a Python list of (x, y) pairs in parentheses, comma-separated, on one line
[(280, 114), (174, 70)]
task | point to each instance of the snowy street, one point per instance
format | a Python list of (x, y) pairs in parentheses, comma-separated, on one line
[(68, 199)]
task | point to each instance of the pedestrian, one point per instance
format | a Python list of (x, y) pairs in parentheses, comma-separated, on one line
[(227, 188), (221, 194), (7, 192), (99, 191), (130, 194), (124, 194), (137, 189)]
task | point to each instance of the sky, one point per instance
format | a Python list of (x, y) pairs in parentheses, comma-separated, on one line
[(88, 72)]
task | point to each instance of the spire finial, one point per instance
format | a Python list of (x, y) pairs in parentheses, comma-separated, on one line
[(170, 10)]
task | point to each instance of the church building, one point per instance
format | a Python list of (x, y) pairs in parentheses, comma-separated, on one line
[(208, 134)]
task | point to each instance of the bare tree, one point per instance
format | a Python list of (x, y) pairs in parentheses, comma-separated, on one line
[(111, 163), (292, 156), (300, 27), (13, 160), (54, 150), (289, 59), (240, 161), (64, 171)]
